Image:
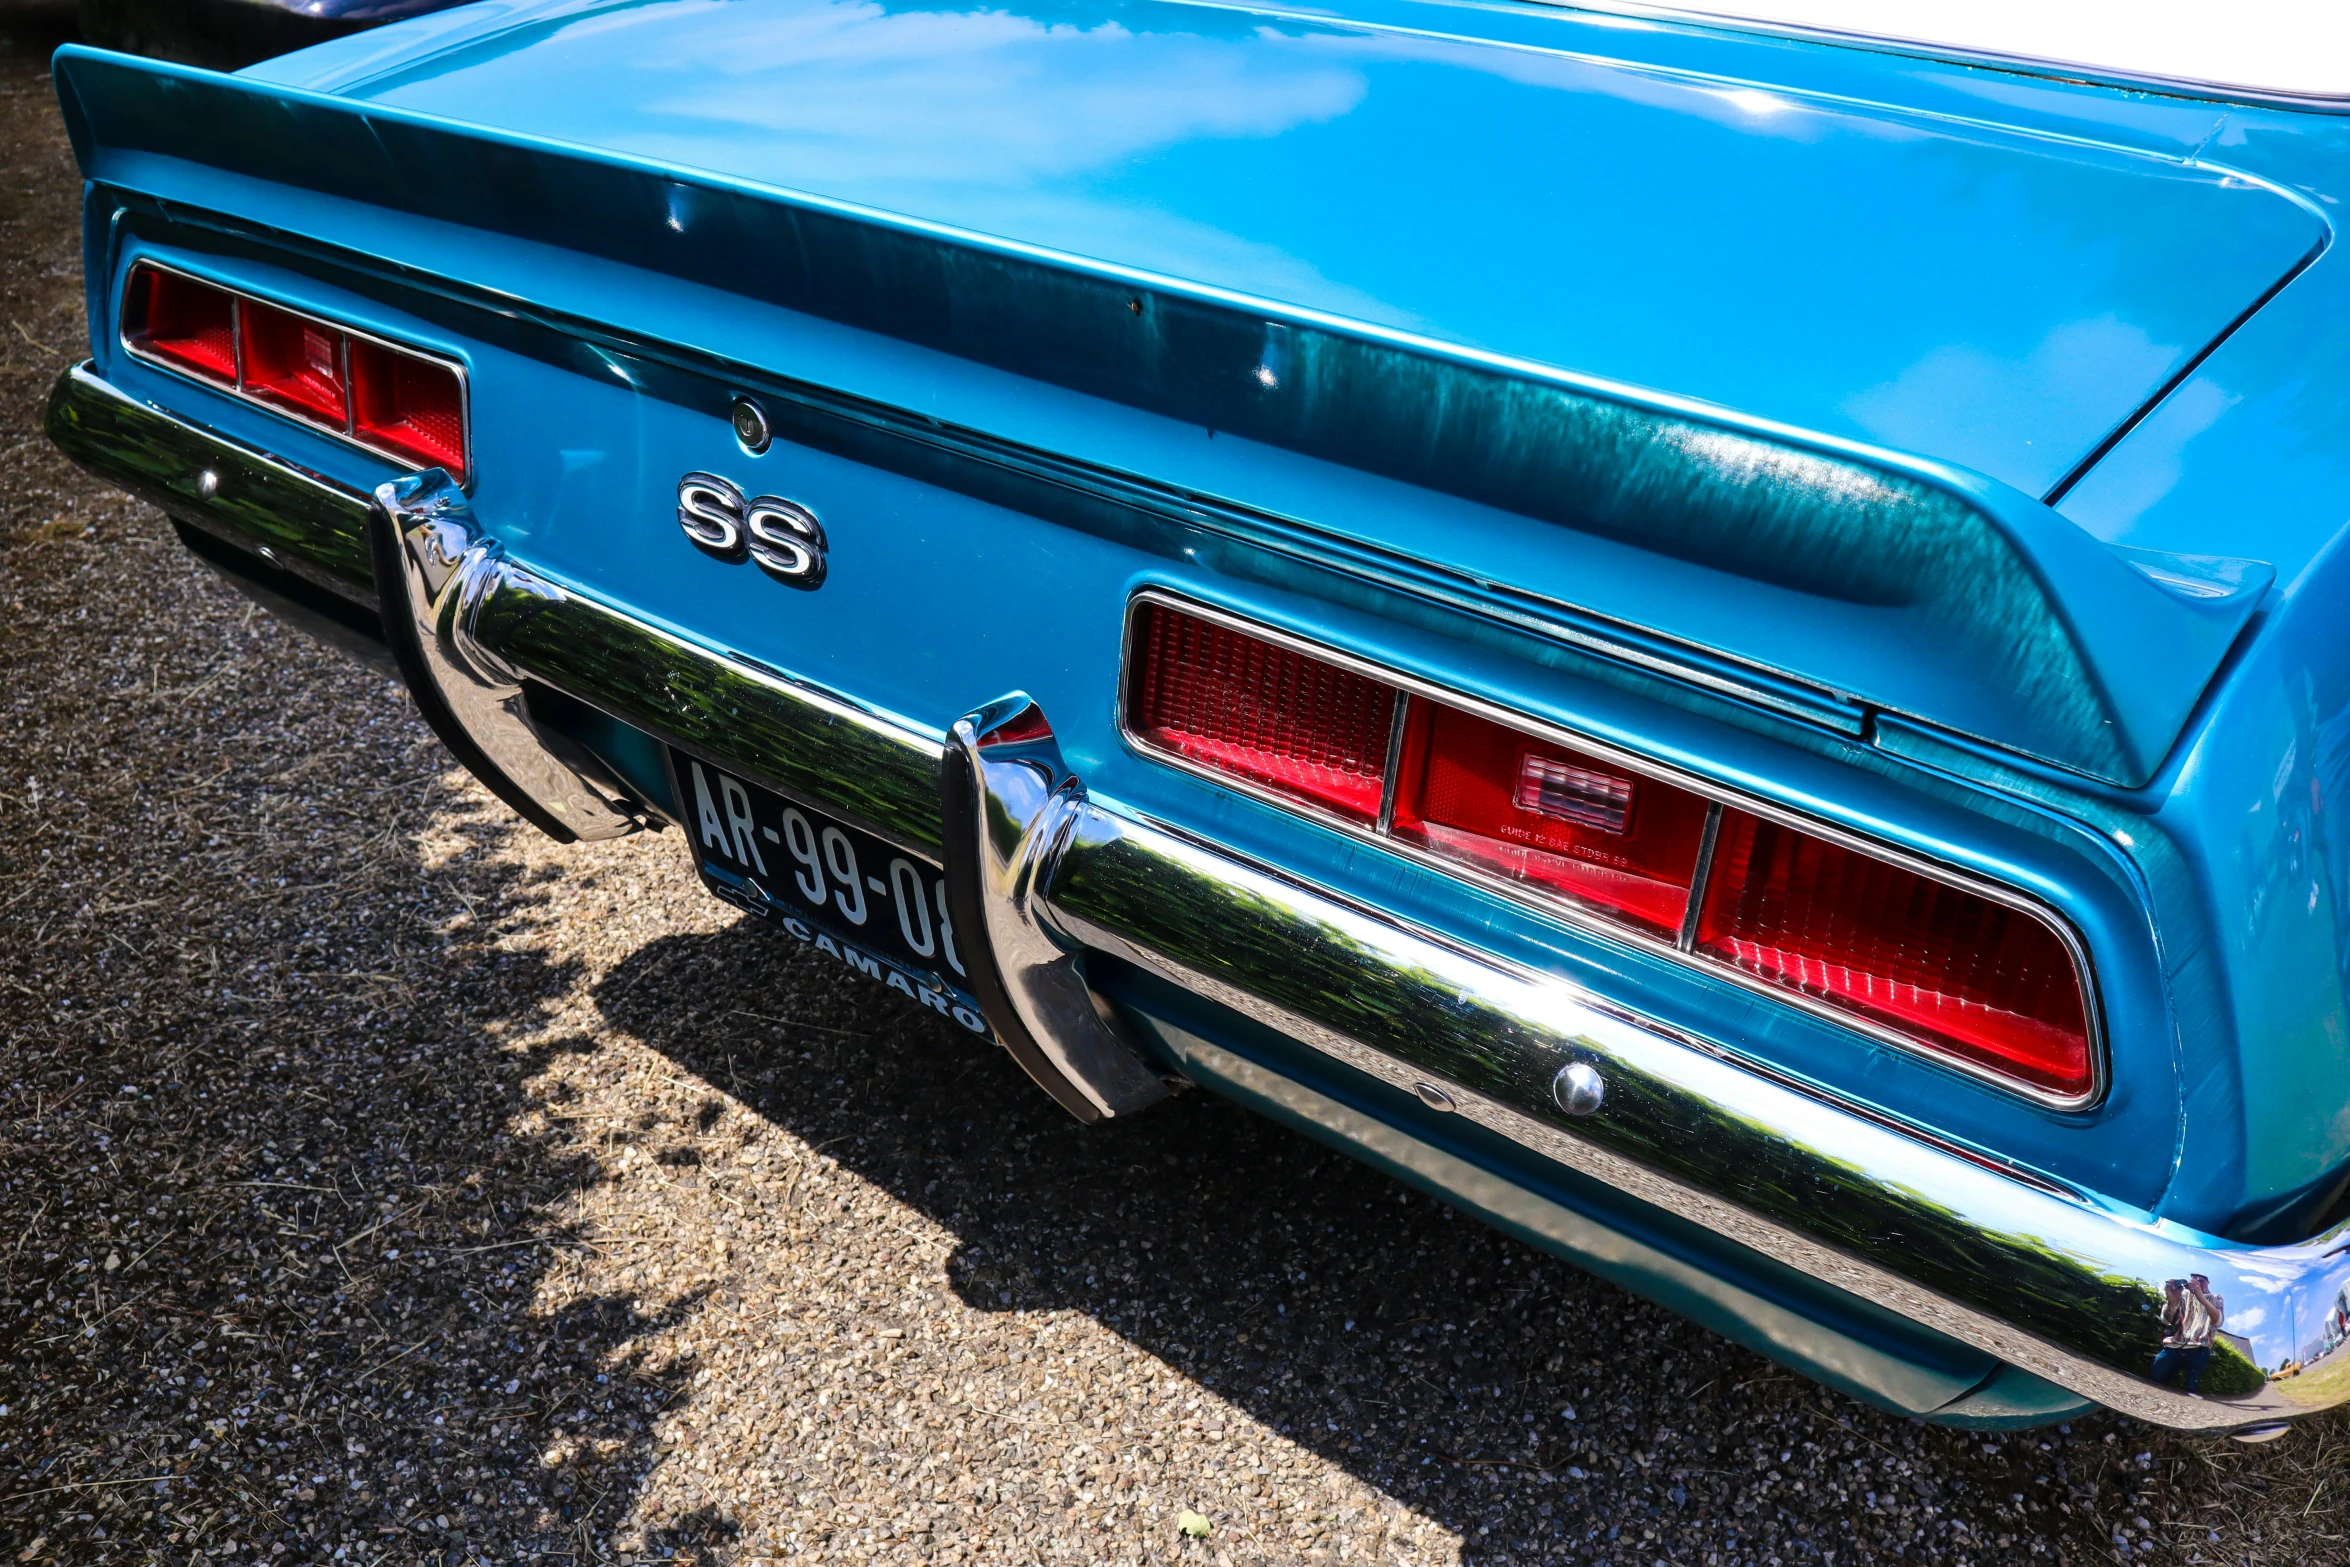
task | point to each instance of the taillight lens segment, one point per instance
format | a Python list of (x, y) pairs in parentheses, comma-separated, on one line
[(184, 323), (1979, 979), (1924, 960), (400, 404), (1254, 709)]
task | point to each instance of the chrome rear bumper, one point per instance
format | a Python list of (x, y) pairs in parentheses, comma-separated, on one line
[(2051, 1281)]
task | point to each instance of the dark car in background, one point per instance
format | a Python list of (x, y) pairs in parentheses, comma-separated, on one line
[(227, 34)]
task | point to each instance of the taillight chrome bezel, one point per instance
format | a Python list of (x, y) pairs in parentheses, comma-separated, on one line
[(1718, 796), (348, 432)]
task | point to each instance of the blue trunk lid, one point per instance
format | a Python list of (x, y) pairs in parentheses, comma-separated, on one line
[(1989, 297)]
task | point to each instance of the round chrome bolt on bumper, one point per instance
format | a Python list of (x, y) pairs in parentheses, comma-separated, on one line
[(1578, 1088)]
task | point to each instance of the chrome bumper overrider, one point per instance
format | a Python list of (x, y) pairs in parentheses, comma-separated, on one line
[(2051, 1281), (435, 569)]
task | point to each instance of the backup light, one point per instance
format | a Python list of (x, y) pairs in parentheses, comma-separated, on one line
[(1532, 812), (1922, 960), (294, 364), (1585, 796), (393, 401)]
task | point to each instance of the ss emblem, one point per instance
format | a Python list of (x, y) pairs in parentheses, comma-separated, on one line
[(783, 536)]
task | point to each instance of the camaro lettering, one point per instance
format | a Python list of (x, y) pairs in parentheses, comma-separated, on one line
[(782, 537), (891, 975)]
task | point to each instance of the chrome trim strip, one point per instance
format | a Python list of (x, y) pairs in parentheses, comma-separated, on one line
[(2050, 1282), (1388, 775), (349, 434), (1703, 878), (261, 504), (1599, 924), (1009, 803)]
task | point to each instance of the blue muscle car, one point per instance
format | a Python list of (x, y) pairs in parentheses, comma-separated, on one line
[(1720, 642)]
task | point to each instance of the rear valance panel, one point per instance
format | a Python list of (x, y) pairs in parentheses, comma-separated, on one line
[(1905, 584)]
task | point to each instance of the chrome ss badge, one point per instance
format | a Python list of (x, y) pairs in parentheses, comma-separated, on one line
[(783, 536)]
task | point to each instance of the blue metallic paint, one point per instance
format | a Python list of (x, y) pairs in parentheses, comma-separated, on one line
[(2255, 448), (1998, 301), (2211, 893)]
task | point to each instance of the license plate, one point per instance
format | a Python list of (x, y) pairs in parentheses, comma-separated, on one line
[(868, 904)]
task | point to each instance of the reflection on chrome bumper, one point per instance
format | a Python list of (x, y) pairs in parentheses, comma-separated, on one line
[(290, 518), (435, 568), (2045, 1279)]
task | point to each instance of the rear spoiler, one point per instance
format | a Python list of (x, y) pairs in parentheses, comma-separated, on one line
[(1877, 579)]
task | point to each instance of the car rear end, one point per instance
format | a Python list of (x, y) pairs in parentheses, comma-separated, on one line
[(1179, 685)]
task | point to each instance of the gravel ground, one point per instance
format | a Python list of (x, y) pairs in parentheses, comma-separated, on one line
[(383, 1183)]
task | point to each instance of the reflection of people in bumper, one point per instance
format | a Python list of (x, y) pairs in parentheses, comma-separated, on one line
[(2191, 1314)]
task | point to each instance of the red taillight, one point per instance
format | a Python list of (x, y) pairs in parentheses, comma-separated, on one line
[(1956, 970), (393, 401), (1534, 812), (1917, 957), (186, 323), (295, 364), (411, 407), (1260, 711)]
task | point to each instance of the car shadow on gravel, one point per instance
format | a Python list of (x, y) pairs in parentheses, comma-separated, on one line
[(1528, 1407), (284, 1186)]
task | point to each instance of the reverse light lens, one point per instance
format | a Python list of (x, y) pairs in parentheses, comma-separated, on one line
[(1959, 972), (1559, 821), (1582, 795), (295, 364), (186, 323), (409, 406), (1256, 710)]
